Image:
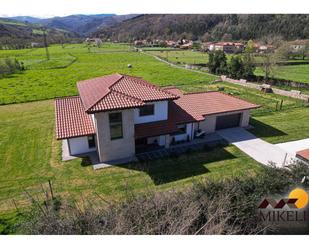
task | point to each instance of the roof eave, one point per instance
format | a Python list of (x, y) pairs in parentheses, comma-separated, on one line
[(74, 136), (114, 109)]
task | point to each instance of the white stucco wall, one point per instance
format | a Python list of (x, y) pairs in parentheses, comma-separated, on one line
[(79, 145), (245, 118), (160, 113), (184, 137)]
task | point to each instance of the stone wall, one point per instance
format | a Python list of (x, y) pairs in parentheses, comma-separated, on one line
[(292, 94)]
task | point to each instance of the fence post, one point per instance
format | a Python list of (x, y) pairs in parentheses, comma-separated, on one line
[(51, 189)]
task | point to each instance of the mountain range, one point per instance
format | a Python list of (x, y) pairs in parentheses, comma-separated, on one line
[(81, 25), (126, 28)]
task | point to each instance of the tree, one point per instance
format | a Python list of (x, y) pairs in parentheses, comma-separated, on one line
[(248, 60), (249, 66), (268, 64), (241, 68), (206, 37), (250, 47), (284, 51), (227, 37), (236, 67), (217, 62)]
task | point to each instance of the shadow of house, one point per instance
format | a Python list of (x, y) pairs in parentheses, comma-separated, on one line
[(264, 130), (175, 168), (86, 161)]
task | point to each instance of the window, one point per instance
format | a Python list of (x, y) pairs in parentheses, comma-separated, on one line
[(146, 110), (182, 129), (115, 125), (91, 142)]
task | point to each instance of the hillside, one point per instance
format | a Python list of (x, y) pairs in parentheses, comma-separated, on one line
[(209, 27), (17, 34), (79, 24)]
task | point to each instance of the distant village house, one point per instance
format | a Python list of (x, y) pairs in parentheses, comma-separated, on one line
[(94, 41)]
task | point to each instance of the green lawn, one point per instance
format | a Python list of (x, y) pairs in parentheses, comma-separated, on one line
[(30, 155), (298, 73), (46, 79), (182, 56), (283, 126)]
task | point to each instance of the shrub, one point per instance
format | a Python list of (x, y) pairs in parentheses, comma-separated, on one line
[(9, 66), (208, 207)]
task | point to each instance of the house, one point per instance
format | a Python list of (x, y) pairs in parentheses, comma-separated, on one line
[(119, 115), (226, 47), (188, 45), (170, 43), (94, 41), (262, 49), (303, 155), (37, 45)]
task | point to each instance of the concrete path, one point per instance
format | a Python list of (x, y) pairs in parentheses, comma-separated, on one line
[(256, 148), (294, 146)]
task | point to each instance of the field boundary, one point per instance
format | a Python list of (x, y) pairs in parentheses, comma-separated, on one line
[(245, 83), (177, 66)]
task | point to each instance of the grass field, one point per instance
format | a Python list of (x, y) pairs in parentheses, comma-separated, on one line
[(58, 76), (182, 56), (298, 73), (30, 155)]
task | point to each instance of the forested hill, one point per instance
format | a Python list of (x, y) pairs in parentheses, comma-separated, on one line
[(209, 27), (16, 34)]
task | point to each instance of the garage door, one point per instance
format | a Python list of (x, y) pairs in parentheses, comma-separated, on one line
[(228, 121)]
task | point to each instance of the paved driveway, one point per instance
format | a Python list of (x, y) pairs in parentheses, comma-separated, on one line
[(294, 146), (256, 148)]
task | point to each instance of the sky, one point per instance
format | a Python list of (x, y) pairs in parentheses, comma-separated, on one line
[(49, 8)]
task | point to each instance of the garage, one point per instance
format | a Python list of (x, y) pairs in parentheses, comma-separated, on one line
[(228, 121)]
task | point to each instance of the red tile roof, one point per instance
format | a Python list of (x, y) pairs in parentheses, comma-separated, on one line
[(122, 92), (192, 107), (118, 91), (71, 118), (174, 90), (303, 154), (208, 103)]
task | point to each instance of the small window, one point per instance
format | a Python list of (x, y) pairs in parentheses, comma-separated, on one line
[(182, 129), (146, 110), (115, 125), (91, 142)]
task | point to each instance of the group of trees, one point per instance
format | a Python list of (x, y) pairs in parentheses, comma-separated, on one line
[(208, 27), (238, 67), (290, 50), (9, 66)]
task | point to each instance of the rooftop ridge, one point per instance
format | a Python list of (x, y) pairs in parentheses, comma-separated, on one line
[(127, 96), (108, 88), (150, 85)]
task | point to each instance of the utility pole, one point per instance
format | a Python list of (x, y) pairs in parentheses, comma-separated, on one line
[(45, 44)]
